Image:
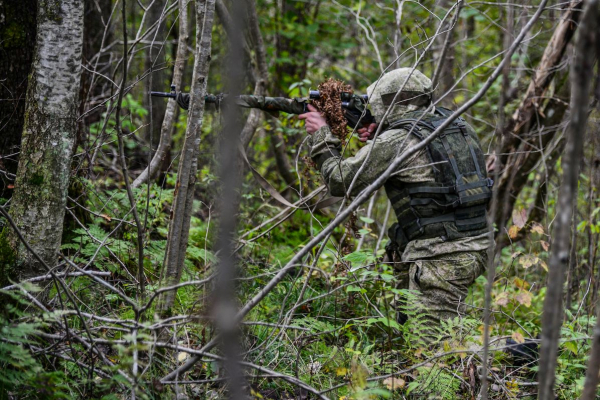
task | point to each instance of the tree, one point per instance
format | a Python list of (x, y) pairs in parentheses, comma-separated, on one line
[(17, 32), (179, 226), (40, 196)]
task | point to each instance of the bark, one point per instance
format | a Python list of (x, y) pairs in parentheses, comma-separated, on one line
[(17, 38), (95, 32), (581, 74), (179, 227), (39, 201), (224, 294), (518, 152), (443, 78), (170, 115), (155, 61), (261, 73), (284, 167)]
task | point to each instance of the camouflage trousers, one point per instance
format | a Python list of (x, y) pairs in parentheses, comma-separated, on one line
[(441, 283)]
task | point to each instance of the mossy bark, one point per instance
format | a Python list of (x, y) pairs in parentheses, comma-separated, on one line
[(38, 205), (17, 39)]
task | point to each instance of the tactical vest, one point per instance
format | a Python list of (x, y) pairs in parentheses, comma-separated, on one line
[(454, 206)]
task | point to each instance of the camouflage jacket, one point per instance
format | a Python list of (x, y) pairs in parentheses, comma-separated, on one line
[(338, 173)]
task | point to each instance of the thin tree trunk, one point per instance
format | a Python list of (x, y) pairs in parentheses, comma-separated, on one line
[(166, 131), (179, 227), (581, 75), (224, 294), (155, 60), (40, 197), (516, 153), (443, 77), (261, 72), (17, 45)]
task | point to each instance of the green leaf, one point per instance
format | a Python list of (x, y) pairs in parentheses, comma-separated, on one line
[(367, 220), (359, 257)]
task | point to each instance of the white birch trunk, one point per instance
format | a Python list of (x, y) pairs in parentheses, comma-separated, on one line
[(38, 206)]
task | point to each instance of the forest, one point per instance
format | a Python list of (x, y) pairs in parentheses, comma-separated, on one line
[(162, 239)]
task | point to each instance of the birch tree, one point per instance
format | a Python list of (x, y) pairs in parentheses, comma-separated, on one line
[(38, 206)]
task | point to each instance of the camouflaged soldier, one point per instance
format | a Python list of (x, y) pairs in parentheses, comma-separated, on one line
[(439, 194)]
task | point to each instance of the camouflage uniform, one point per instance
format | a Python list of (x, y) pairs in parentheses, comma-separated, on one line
[(439, 270)]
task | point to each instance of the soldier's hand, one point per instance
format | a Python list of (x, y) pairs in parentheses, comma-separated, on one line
[(314, 120), (366, 133)]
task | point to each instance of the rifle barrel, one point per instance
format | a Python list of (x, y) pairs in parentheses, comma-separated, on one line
[(163, 94)]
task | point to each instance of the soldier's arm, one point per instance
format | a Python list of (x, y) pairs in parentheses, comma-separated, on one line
[(339, 172)]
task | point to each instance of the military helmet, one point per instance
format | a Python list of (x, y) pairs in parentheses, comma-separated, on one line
[(416, 93)]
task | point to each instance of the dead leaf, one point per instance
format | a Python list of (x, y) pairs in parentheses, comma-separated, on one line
[(106, 217), (502, 299), (513, 231), (543, 265), (545, 245), (524, 298), (537, 228), (393, 383), (519, 218), (182, 356), (518, 337)]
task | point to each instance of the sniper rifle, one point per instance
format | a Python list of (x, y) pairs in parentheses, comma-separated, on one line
[(354, 106)]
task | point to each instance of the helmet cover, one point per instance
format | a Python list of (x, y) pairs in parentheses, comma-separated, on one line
[(416, 93)]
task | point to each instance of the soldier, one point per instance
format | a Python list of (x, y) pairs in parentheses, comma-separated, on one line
[(439, 194)]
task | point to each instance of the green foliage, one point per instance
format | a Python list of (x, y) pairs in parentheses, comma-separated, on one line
[(22, 372)]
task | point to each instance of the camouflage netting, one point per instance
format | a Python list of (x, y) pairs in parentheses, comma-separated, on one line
[(330, 104)]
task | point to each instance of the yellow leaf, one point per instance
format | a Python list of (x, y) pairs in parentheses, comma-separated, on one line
[(393, 383), (527, 261), (545, 245), (524, 298), (447, 346), (543, 265), (502, 299), (182, 356), (537, 228), (513, 231), (521, 284), (341, 371), (518, 337)]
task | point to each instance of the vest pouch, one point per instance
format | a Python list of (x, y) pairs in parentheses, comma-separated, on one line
[(473, 190)]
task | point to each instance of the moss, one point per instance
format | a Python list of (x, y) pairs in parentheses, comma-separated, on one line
[(13, 35), (36, 179), (52, 10)]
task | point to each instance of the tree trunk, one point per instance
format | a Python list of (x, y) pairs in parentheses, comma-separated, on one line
[(224, 294), (581, 75), (17, 38), (39, 201), (443, 77), (155, 60), (517, 154), (179, 227), (166, 130)]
